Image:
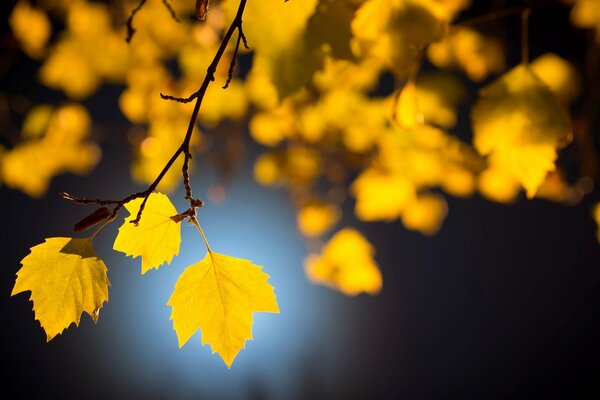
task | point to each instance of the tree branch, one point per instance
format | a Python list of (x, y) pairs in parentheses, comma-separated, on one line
[(184, 148)]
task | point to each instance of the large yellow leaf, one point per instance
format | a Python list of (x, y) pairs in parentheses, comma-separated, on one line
[(65, 278), (156, 238), (218, 295)]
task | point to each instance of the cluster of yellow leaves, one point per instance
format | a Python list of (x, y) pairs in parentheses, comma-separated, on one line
[(346, 264), (92, 50), (217, 295), (315, 67), (54, 141)]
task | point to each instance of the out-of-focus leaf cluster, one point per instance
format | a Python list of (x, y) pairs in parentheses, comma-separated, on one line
[(313, 99)]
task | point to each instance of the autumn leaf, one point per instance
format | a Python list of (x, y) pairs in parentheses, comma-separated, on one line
[(65, 278), (156, 238), (218, 295), (346, 264), (520, 124)]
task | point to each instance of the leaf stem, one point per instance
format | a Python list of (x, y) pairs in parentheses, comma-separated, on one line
[(525, 35), (194, 221)]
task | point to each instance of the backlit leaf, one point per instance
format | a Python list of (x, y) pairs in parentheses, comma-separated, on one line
[(66, 279), (218, 295), (520, 124), (157, 237)]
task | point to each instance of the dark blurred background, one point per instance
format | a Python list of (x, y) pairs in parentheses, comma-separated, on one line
[(503, 303)]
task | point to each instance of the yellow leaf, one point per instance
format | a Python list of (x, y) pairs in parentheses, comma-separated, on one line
[(407, 111), (346, 264), (477, 55), (520, 124), (218, 295), (395, 32), (156, 238), (586, 14), (316, 218), (381, 196), (426, 214), (559, 75), (31, 27), (65, 278)]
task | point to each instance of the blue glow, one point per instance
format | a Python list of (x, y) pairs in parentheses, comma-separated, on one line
[(136, 339)]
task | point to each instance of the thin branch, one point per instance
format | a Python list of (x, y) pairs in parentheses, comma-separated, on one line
[(525, 35), (507, 12), (184, 148), (183, 100), (171, 11), (129, 23), (233, 58)]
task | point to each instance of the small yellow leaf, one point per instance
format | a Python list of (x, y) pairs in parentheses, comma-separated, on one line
[(65, 278), (316, 218), (156, 238), (346, 264), (218, 296)]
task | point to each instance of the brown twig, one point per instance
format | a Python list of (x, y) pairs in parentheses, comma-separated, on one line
[(507, 12), (171, 10), (233, 58), (129, 23), (184, 148)]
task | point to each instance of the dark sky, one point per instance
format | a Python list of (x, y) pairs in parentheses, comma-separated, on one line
[(503, 303)]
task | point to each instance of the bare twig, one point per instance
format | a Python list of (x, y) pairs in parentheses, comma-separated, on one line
[(184, 148), (171, 10), (507, 12), (129, 23), (233, 58)]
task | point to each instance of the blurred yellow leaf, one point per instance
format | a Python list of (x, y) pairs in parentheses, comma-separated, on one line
[(395, 32), (36, 121), (497, 185), (425, 214), (586, 14), (346, 264), (464, 48), (381, 196), (520, 124), (66, 279), (156, 238), (219, 295), (315, 218), (31, 165), (559, 75), (31, 27), (267, 170)]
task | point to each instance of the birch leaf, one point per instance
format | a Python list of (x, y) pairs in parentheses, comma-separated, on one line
[(66, 279), (519, 122), (218, 295), (156, 238)]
